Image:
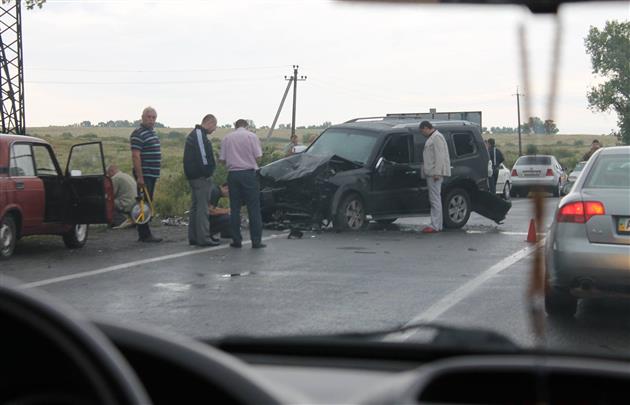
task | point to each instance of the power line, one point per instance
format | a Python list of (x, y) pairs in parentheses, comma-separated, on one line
[(156, 70), (153, 82)]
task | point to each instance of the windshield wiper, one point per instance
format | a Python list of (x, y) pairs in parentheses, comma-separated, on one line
[(442, 335)]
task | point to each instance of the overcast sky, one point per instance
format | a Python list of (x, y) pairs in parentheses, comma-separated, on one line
[(106, 60)]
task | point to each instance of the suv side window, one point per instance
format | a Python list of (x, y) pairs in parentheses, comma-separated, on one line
[(21, 162), (397, 149), (418, 147), (43, 161), (464, 143)]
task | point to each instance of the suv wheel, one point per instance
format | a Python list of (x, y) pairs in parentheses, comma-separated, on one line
[(8, 237), (559, 303), (76, 237), (351, 214), (456, 208)]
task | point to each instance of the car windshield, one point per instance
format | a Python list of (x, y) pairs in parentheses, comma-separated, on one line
[(533, 160), (220, 226), (610, 172), (356, 146)]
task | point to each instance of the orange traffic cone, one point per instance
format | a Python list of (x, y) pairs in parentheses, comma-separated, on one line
[(531, 234)]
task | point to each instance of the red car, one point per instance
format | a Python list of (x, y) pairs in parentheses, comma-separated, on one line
[(37, 198)]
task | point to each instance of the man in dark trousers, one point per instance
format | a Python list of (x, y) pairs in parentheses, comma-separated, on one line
[(496, 157), (199, 167), (219, 217), (146, 156), (240, 152)]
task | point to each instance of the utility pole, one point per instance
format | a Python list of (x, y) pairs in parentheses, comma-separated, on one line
[(295, 79), (11, 69), (275, 120), (518, 113)]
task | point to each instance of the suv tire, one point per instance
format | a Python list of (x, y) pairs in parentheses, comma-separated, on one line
[(76, 237), (559, 304), (350, 214), (8, 237), (456, 208)]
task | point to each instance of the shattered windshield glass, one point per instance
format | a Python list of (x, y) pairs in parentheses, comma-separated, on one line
[(355, 146)]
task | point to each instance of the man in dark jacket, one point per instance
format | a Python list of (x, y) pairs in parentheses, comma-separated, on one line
[(199, 166)]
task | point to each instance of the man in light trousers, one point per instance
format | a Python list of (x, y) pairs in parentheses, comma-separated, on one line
[(437, 165)]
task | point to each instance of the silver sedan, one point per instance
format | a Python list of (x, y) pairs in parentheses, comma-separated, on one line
[(588, 247)]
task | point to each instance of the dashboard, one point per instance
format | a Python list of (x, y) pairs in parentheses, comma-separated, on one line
[(52, 355)]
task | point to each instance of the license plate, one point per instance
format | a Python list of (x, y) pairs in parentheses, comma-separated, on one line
[(623, 225), (531, 173)]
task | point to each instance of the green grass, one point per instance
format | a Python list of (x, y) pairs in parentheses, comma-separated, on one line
[(172, 197), (172, 194)]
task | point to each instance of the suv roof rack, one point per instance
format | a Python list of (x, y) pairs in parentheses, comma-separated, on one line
[(365, 119), (433, 115)]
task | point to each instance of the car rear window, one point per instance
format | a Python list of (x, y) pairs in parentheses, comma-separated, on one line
[(533, 160), (610, 172)]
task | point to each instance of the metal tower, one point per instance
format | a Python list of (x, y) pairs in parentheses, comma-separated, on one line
[(11, 69)]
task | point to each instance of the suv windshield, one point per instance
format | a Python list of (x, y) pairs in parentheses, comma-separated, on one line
[(353, 145), (533, 160)]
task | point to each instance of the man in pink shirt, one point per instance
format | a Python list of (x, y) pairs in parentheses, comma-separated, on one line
[(240, 152)]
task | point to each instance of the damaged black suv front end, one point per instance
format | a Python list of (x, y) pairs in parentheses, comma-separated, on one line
[(298, 191)]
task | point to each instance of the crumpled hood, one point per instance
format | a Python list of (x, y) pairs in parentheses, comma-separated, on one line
[(303, 166)]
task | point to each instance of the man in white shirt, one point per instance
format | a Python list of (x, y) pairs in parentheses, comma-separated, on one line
[(241, 152), (436, 166)]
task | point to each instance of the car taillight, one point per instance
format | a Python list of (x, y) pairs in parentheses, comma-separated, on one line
[(514, 173), (549, 172), (580, 212)]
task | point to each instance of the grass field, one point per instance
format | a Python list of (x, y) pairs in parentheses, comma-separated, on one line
[(173, 195)]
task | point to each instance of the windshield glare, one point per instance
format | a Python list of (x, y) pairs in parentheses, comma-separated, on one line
[(353, 145), (437, 233)]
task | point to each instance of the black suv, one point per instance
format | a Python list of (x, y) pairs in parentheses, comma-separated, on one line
[(372, 167)]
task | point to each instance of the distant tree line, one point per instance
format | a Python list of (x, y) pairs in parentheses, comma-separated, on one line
[(115, 124), (133, 124), (533, 126)]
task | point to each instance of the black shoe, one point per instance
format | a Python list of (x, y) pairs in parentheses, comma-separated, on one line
[(214, 238), (150, 239), (236, 245), (209, 244), (259, 246)]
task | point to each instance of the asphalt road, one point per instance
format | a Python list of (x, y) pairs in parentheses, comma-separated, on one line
[(323, 283)]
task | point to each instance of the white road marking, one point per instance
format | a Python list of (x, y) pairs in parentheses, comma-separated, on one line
[(124, 266), (456, 296), (174, 287), (519, 233)]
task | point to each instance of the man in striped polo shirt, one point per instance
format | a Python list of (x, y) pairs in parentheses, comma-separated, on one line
[(146, 156)]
